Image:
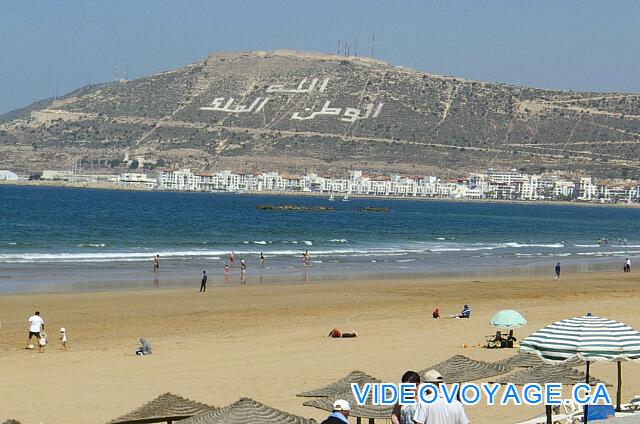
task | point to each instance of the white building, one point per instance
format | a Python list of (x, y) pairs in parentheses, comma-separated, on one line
[(6, 175), (53, 175)]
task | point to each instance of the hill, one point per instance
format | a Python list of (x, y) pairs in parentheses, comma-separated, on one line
[(292, 111)]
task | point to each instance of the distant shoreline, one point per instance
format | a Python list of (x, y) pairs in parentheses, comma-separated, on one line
[(111, 186)]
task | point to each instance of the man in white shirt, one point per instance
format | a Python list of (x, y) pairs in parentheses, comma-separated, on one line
[(440, 411), (36, 325)]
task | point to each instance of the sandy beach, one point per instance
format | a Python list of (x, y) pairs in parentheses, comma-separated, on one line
[(268, 342)]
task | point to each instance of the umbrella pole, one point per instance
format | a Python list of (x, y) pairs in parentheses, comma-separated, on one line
[(619, 393), (549, 414), (586, 406)]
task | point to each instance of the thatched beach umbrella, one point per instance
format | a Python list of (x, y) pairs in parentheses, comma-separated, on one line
[(545, 374), (166, 408), (528, 360), (341, 385), (359, 412), (588, 338), (460, 369), (247, 411)]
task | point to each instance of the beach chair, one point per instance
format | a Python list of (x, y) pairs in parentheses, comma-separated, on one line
[(495, 340), (632, 406), (564, 414)]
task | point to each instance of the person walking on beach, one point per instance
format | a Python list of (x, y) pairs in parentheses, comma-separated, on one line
[(557, 270), (627, 265), (261, 258), (243, 271), (36, 325), (42, 341), (203, 282), (156, 263), (63, 338)]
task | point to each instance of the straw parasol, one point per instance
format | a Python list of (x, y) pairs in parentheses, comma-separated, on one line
[(247, 411), (366, 411), (545, 374), (11, 421), (165, 408), (588, 338), (528, 360), (459, 369), (341, 385)]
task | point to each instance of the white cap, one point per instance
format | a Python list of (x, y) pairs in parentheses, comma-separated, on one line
[(62, 330), (433, 376), (341, 405)]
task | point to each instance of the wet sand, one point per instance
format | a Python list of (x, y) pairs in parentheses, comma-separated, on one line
[(267, 342)]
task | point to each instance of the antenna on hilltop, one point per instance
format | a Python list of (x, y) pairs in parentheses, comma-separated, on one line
[(373, 42), (355, 53), (347, 51), (338, 48)]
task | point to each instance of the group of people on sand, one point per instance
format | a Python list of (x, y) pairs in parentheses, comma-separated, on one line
[(465, 313), (440, 411), (306, 260), (35, 326)]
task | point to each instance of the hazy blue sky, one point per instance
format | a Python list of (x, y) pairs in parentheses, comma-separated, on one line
[(49, 47)]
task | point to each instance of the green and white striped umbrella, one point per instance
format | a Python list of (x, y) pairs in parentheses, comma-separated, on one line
[(590, 339), (587, 337)]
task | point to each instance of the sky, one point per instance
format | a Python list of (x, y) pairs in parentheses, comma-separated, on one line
[(49, 48)]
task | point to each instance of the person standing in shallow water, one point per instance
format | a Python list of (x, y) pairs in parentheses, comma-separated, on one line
[(156, 263), (557, 270), (203, 282)]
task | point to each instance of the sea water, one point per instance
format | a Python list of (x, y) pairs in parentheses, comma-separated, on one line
[(82, 239)]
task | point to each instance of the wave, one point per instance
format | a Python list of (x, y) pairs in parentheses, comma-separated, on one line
[(260, 242), (308, 242), (91, 245), (339, 240), (551, 245)]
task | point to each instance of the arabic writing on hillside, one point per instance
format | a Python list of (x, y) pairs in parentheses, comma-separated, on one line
[(346, 114)]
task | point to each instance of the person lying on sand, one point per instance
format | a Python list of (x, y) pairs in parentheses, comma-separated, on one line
[(145, 347), (336, 334)]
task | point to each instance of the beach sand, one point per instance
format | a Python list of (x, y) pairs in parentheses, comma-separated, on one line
[(268, 342)]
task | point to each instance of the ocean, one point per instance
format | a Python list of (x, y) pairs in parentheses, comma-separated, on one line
[(81, 239)]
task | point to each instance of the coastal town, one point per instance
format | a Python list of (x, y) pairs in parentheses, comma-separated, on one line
[(513, 185)]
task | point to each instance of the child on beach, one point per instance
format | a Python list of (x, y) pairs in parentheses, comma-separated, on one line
[(226, 268), (436, 313), (42, 341), (63, 338)]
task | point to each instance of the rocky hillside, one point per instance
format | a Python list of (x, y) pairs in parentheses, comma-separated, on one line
[(291, 111)]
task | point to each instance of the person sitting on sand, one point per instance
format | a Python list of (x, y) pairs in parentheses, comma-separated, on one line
[(436, 313), (145, 347), (466, 313), (337, 334)]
